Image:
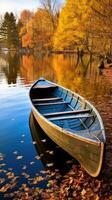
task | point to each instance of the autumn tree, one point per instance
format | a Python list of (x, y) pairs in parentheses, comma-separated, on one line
[(52, 7), (25, 16), (87, 23), (8, 31), (100, 25), (39, 30), (0, 31), (72, 22)]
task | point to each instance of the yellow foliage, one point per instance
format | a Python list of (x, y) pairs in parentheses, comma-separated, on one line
[(22, 31), (84, 22), (71, 28)]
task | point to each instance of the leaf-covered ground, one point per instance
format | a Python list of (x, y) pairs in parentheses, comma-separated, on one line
[(75, 184)]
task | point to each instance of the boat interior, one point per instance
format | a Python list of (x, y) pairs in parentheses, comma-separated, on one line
[(66, 109)]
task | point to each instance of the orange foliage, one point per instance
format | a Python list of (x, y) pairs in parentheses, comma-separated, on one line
[(39, 30), (27, 40), (27, 68), (25, 16)]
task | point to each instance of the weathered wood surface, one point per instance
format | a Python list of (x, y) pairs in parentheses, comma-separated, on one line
[(66, 112), (71, 117), (47, 99)]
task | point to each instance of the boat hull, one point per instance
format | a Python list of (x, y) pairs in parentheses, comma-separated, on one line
[(89, 154)]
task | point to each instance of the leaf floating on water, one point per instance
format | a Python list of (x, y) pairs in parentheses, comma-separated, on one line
[(2, 180), (24, 167), (37, 157), (10, 175), (3, 171), (25, 175), (1, 156), (43, 172), (19, 157), (25, 188), (44, 140), (31, 163), (41, 154), (23, 135), (47, 151), (14, 179), (5, 188), (22, 141), (49, 164), (15, 152), (51, 152), (2, 165), (10, 169), (34, 142), (8, 196), (69, 162)]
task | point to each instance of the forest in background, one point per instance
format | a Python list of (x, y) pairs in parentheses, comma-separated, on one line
[(84, 24)]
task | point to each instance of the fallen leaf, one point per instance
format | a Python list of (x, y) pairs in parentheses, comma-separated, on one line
[(49, 164), (83, 192), (19, 157)]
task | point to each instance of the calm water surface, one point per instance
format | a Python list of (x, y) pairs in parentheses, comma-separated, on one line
[(25, 151)]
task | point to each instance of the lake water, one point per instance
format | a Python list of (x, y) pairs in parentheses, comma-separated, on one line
[(25, 151)]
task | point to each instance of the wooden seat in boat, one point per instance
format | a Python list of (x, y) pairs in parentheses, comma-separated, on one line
[(80, 116), (47, 99), (67, 113), (48, 104)]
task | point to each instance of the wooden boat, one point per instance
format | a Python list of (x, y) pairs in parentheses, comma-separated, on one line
[(71, 122)]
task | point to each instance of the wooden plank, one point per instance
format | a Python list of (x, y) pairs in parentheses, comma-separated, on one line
[(48, 104), (66, 113), (71, 117), (44, 86), (47, 99)]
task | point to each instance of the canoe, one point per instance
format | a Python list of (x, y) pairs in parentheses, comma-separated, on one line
[(71, 122)]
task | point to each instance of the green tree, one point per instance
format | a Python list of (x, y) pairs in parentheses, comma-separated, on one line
[(8, 31)]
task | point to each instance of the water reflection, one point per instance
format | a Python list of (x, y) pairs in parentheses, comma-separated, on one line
[(11, 70), (68, 70), (51, 155)]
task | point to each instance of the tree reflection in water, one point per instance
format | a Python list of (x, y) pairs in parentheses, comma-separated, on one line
[(11, 71)]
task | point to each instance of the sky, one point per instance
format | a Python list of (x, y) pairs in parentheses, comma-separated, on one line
[(17, 6)]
